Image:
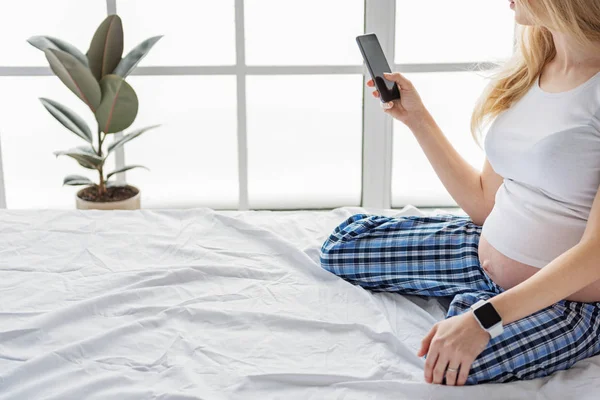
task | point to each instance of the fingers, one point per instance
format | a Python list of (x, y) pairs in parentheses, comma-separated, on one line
[(452, 373), (370, 83), (387, 106), (440, 369), (465, 367), (427, 341), (430, 363), (399, 79)]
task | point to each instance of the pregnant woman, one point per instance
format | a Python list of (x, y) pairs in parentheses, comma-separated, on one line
[(523, 269)]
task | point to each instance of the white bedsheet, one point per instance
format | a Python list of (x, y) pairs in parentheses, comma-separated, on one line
[(198, 304)]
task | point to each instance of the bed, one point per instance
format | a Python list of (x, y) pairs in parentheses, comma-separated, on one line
[(199, 304)]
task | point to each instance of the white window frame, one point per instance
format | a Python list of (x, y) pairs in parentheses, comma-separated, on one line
[(380, 18)]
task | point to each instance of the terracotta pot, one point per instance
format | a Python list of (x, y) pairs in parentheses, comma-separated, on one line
[(132, 203)]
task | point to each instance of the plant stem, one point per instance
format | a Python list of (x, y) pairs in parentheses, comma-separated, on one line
[(99, 151), (102, 186)]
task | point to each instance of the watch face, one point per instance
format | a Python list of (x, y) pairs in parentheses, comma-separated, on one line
[(487, 315)]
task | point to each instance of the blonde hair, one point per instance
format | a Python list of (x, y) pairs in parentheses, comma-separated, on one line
[(534, 48)]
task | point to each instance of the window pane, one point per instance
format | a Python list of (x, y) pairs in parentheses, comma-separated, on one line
[(450, 97), (476, 31), (303, 32), (199, 32), (305, 151), (192, 157), (71, 20), (30, 135)]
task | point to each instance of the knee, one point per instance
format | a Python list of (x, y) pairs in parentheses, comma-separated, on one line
[(332, 250), (330, 253)]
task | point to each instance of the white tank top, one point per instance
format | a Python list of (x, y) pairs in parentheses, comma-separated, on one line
[(547, 149)]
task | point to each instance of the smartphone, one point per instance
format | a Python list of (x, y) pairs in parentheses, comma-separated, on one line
[(377, 64)]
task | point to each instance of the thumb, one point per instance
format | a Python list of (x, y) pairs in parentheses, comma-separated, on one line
[(399, 79)]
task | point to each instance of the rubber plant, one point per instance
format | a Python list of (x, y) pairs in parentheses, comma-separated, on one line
[(98, 79)]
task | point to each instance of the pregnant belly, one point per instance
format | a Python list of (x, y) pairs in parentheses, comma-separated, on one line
[(507, 273)]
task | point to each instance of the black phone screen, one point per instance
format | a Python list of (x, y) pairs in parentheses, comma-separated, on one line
[(377, 65)]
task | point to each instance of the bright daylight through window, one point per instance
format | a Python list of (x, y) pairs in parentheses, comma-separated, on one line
[(261, 102)]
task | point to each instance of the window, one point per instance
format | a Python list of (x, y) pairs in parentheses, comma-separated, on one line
[(198, 32), (32, 174), (72, 20), (446, 32), (304, 150), (262, 103), (308, 32), (304, 110), (192, 156), (450, 97), (481, 31)]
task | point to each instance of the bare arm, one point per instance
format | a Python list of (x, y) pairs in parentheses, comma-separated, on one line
[(458, 341), (474, 191)]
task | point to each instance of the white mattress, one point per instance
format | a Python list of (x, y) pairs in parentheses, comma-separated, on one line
[(197, 304)]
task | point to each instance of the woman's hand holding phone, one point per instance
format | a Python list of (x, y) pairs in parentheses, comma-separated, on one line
[(409, 109)]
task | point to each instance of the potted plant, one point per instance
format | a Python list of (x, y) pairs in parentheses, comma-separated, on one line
[(98, 79)]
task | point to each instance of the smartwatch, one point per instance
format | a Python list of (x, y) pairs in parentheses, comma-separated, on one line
[(488, 318)]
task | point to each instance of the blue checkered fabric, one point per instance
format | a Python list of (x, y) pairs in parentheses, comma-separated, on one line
[(437, 256)]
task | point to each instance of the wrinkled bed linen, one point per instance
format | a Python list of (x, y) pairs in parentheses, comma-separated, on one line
[(198, 304)]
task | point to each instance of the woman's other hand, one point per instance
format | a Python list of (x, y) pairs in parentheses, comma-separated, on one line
[(452, 345)]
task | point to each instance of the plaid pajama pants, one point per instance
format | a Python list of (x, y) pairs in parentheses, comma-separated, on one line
[(437, 256)]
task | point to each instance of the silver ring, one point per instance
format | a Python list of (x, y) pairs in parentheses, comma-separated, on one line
[(452, 369)]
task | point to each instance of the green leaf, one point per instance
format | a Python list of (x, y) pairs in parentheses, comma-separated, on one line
[(49, 42), (126, 138), (68, 119), (106, 48), (127, 168), (84, 155), (133, 58), (77, 180), (87, 150), (119, 105), (75, 76)]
